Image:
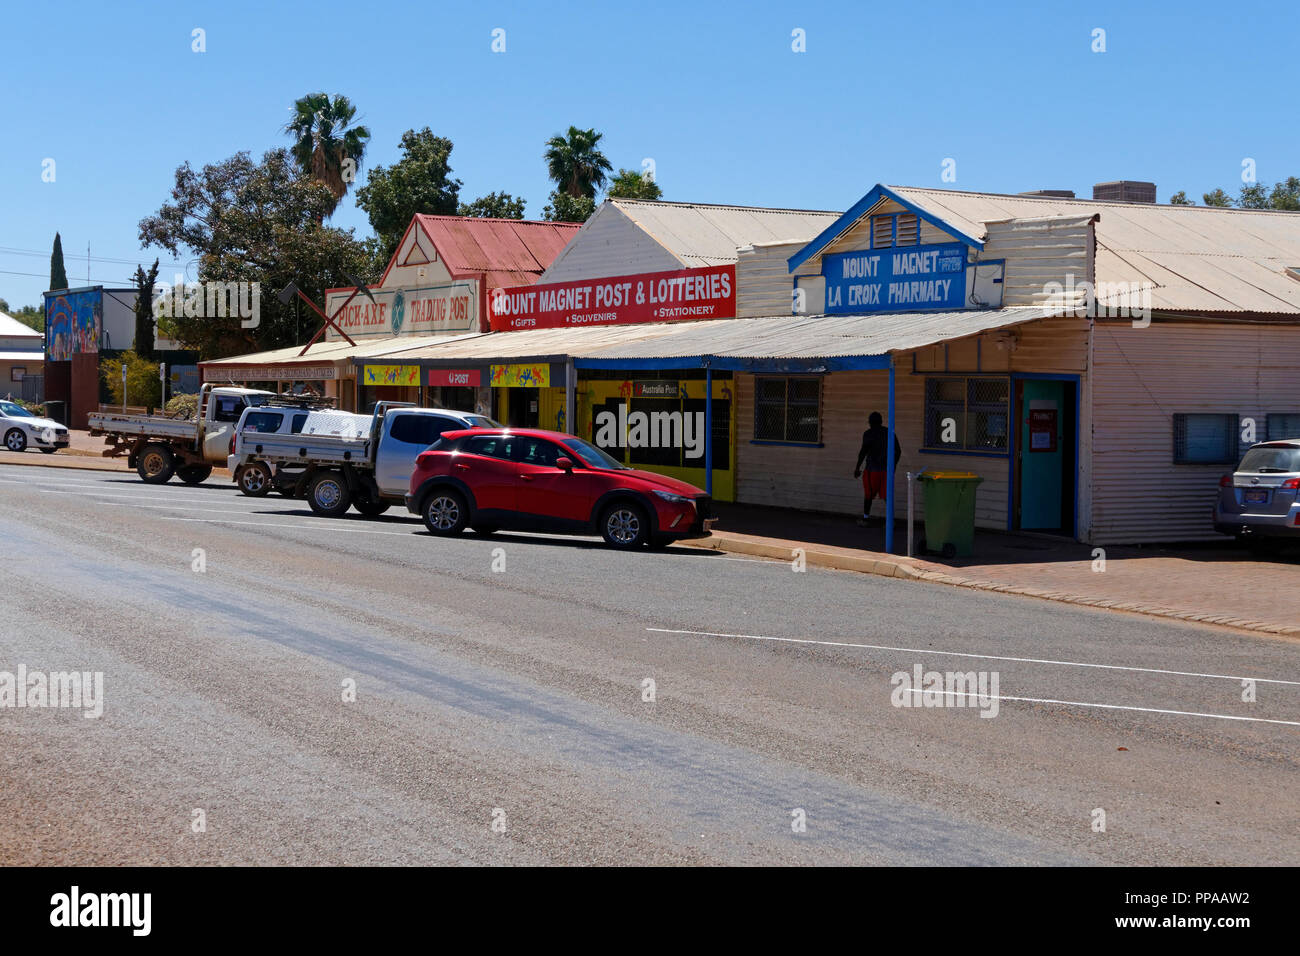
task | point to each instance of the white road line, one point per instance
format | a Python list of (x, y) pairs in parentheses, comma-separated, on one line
[(134, 496), (213, 511), (302, 527), (1145, 710), (986, 657)]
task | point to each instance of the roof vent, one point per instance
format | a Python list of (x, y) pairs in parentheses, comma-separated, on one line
[(1125, 190), (1049, 193)]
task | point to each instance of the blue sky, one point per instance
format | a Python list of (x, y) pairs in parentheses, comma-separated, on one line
[(711, 91)]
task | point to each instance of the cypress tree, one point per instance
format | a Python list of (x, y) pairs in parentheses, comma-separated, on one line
[(58, 274)]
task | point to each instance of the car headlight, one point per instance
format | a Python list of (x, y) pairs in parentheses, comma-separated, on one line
[(669, 496)]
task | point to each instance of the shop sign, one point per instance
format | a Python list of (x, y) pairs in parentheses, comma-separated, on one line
[(708, 293), (270, 373), (898, 279), (400, 375), (453, 377), (445, 308), (655, 389), (521, 376)]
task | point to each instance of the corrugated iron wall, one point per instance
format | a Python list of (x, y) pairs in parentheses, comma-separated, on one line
[(1142, 378)]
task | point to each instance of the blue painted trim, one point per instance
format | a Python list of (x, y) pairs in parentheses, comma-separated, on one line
[(789, 444), (1011, 465), (967, 454), (694, 361), (856, 212), (889, 469), (708, 431)]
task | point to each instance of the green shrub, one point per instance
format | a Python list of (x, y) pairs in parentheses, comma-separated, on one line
[(182, 406), (142, 384)]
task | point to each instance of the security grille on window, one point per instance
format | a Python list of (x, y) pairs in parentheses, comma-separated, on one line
[(1206, 439), (788, 409), (1282, 425), (967, 414)]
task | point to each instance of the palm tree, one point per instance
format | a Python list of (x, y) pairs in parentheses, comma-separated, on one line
[(575, 164), (325, 139)]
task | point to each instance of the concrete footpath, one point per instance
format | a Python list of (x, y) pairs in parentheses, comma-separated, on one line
[(1212, 584)]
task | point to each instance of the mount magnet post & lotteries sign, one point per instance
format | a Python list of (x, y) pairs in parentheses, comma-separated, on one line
[(708, 293), (896, 279)]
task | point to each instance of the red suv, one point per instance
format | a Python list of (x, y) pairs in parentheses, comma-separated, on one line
[(528, 479)]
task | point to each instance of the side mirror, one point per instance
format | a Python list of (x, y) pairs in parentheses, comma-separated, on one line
[(564, 464)]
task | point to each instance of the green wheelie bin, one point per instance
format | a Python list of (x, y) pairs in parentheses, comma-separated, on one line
[(950, 511)]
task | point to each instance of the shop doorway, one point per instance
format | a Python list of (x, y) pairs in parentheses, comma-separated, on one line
[(1045, 459), (523, 407)]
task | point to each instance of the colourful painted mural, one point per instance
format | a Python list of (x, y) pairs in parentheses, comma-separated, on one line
[(72, 324)]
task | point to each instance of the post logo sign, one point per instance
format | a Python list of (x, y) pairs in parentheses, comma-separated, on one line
[(898, 279), (455, 377), (708, 293)]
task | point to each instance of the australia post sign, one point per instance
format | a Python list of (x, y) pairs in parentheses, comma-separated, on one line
[(897, 279), (708, 293)]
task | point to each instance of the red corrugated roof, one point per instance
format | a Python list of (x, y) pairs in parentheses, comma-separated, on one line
[(517, 251)]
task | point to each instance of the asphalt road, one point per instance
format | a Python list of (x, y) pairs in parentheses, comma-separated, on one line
[(515, 697)]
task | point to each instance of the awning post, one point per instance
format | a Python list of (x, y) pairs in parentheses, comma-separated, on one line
[(570, 398), (708, 430), (889, 468)]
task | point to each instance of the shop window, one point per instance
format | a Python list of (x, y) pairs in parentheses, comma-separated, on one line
[(967, 414), (787, 410), (17, 372), (1279, 425), (1205, 439)]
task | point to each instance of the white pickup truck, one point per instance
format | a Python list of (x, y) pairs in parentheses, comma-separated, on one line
[(337, 472), (158, 447)]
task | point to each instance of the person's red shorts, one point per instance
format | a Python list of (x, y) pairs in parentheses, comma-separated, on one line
[(873, 485)]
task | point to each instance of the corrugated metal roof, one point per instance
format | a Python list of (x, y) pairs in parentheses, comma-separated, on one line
[(521, 247), (774, 337), (1196, 258), (11, 328), (706, 235), (336, 349), (33, 356)]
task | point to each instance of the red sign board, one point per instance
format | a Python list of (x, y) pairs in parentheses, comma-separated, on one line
[(455, 376), (708, 293)]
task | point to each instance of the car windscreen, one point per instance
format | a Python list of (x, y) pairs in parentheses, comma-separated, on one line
[(592, 456), (1264, 459), (15, 411), (482, 421)]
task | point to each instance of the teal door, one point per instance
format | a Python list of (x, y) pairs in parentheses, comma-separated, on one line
[(1042, 454)]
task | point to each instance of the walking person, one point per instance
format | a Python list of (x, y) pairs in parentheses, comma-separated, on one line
[(874, 454)]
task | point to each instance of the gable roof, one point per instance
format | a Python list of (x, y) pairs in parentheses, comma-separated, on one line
[(11, 328), (1194, 258), (699, 234), (508, 251)]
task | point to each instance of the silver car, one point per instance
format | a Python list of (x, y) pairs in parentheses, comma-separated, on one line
[(1259, 503), (20, 429)]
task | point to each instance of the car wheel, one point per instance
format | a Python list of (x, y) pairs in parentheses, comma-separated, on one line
[(328, 495), (194, 474), (16, 439), (445, 512), (255, 480), (624, 525), (48, 451), (371, 509), (156, 464)]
